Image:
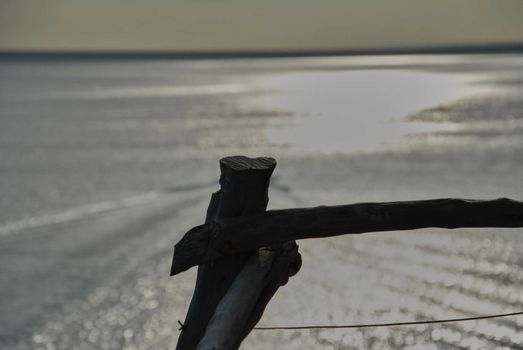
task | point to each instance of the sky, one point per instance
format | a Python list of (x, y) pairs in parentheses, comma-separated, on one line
[(244, 25)]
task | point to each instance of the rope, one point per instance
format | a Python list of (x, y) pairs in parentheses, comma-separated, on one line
[(392, 324)]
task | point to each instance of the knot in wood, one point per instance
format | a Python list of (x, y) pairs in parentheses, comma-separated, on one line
[(217, 242)]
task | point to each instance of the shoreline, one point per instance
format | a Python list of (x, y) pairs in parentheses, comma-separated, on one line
[(95, 55)]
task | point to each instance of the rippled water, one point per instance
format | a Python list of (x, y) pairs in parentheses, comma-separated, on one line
[(105, 164)]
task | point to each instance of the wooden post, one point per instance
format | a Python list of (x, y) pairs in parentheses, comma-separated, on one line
[(244, 191)]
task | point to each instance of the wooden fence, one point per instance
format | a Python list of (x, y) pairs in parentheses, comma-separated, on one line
[(245, 253)]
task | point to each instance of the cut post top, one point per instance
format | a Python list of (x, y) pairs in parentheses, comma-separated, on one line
[(239, 163)]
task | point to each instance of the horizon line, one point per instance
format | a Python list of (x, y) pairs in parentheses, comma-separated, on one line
[(56, 54)]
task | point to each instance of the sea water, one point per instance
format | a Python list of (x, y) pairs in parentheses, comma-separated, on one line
[(103, 164)]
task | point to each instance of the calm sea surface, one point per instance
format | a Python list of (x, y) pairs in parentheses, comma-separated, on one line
[(104, 164)]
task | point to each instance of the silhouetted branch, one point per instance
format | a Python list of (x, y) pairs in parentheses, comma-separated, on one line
[(230, 236)]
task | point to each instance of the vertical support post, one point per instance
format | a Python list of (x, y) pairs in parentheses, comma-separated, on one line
[(244, 186)]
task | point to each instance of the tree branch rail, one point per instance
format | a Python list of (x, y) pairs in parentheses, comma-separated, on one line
[(229, 236)]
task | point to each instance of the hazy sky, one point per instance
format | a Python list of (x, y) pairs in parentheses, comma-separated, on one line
[(255, 24)]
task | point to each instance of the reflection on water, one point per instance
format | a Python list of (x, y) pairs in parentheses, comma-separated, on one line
[(355, 111), (148, 92)]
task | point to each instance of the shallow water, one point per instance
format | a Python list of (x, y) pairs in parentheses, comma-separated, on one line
[(105, 164)]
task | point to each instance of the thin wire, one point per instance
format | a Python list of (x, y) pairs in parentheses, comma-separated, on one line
[(392, 324)]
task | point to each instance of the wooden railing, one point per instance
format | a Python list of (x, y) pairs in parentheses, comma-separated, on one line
[(244, 253)]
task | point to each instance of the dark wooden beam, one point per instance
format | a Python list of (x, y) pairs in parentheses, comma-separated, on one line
[(244, 186), (231, 236)]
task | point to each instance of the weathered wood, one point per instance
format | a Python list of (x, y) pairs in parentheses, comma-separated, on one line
[(236, 306), (229, 236), (242, 307), (244, 186), (287, 263)]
